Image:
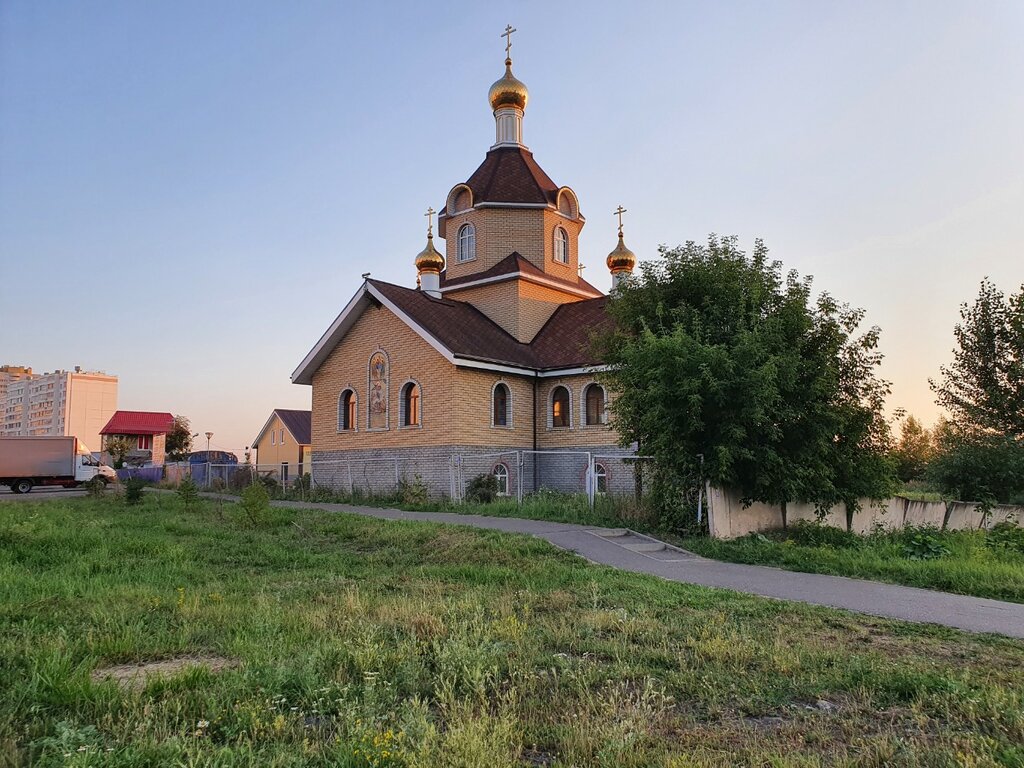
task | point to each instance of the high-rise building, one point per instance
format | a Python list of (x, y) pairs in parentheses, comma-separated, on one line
[(75, 403)]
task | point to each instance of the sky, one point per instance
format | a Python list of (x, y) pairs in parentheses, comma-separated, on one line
[(190, 191)]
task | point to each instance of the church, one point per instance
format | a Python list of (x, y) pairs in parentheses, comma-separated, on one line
[(485, 367)]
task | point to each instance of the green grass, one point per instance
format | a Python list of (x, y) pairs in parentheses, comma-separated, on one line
[(970, 567), (369, 643)]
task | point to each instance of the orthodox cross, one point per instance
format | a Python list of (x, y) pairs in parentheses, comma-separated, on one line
[(618, 212), (507, 34), (430, 220), (580, 268)]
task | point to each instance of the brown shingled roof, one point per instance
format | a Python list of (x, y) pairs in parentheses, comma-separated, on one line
[(511, 175), (563, 342)]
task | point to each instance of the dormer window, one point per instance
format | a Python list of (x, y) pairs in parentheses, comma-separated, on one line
[(466, 243), (561, 245)]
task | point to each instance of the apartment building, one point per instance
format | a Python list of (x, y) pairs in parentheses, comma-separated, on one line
[(76, 403)]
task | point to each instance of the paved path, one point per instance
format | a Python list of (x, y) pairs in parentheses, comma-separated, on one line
[(642, 554)]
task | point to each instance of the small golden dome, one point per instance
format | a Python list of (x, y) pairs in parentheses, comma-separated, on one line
[(429, 260), (508, 92), (621, 259)]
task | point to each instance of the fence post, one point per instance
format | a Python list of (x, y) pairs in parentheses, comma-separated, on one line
[(398, 479), (351, 483), (519, 478), (591, 480)]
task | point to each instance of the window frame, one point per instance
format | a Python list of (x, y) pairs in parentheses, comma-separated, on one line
[(403, 409), (351, 413), (508, 405), (465, 243), (568, 407), (561, 242), (585, 405), (506, 476), (600, 473)]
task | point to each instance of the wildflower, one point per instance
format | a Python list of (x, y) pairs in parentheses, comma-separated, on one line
[(203, 724)]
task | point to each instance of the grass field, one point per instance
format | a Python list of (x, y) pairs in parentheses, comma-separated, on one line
[(965, 562), (342, 641)]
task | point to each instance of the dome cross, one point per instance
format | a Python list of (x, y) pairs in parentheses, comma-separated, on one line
[(507, 34), (618, 212), (430, 220)]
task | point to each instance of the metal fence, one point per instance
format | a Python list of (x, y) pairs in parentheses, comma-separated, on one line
[(517, 474)]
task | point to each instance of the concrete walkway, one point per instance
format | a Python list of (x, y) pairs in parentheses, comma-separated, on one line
[(641, 554)]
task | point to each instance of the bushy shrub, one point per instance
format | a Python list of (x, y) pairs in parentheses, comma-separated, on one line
[(96, 487), (1006, 536), (415, 492), (133, 490), (217, 484), (922, 543), (188, 492), (810, 534), (482, 489), (242, 477)]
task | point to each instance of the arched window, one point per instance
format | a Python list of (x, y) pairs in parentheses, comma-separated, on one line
[(561, 245), (347, 411), (466, 243), (501, 401), (560, 407), (411, 404), (593, 397), (600, 478), (501, 475)]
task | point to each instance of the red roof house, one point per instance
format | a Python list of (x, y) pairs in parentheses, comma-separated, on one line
[(148, 429)]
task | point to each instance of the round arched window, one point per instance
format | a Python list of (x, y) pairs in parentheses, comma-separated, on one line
[(411, 405), (466, 248), (560, 407), (500, 406), (347, 411), (501, 475), (561, 245), (594, 399)]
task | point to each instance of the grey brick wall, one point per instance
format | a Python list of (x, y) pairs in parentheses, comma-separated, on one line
[(439, 467)]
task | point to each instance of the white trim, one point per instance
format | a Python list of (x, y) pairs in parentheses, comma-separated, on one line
[(303, 374), (558, 231), (508, 476), (528, 278), (573, 371), (468, 226), (508, 405), (485, 204)]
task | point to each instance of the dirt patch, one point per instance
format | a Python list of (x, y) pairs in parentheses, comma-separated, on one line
[(133, 677)]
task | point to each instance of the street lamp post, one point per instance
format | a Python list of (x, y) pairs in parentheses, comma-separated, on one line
[(209, 464)]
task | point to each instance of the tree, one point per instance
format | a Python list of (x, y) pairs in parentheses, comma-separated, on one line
[(179, 439), (983, 389), (913, 451), (980, 451), (119, 447), (718, 357)]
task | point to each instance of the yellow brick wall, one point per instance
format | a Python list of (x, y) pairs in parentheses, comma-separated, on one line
[(579, 434), (410, 358), (270, 450), (474, 392), (500, 231), (496, 300)]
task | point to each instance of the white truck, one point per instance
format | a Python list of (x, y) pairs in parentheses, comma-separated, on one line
[(26, 462)]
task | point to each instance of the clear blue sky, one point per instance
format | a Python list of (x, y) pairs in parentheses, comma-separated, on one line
[(189, 191)]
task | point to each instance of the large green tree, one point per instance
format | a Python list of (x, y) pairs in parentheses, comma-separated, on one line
[(980, 452), (983, 388), (179, 439), (724, 363)]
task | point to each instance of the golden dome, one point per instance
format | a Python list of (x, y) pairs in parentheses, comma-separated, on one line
[(621, 259), (508, 92), (429, 260)]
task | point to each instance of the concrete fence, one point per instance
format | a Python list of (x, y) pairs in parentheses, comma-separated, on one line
[(728, 518)]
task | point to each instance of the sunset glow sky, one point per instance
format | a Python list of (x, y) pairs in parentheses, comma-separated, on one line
[(190, 191)]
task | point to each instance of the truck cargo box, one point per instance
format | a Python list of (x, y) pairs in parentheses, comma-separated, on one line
[(38, 456)]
